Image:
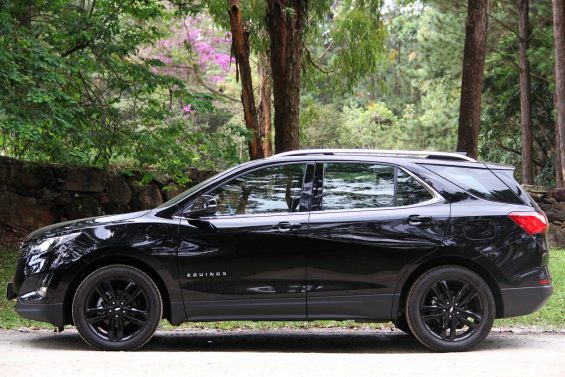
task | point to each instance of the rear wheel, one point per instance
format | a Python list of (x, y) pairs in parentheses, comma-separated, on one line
[(450, 309), (117, 308)]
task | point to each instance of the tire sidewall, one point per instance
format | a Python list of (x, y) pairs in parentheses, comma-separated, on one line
[(121, 272), (422, 286)]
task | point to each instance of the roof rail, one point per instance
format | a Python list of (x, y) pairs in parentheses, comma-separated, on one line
[(376, 152)]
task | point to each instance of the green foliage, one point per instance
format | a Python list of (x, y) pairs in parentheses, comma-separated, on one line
[(349, 44), (412, 100), (74, 89), (325, 126), (127, 84), (501, 117)]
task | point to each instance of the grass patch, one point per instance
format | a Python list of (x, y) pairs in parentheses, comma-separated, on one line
[(551, 316)]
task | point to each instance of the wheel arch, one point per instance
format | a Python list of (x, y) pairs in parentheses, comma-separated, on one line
[(450, 260), (101, 259)]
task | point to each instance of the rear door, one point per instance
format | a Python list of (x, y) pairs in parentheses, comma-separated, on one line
[(368, 222)]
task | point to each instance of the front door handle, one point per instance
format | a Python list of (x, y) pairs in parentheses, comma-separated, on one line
[(418, 220), (286, 226)]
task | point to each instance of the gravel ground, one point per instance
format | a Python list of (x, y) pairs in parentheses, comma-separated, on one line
[(281, 352)]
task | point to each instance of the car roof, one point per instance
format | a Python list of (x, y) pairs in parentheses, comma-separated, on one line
[(455, 156), (385, 156)]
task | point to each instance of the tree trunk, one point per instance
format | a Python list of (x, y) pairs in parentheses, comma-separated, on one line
[(559, 181), (285, 22), (525, 93), (472, 79), (240, 47), (559, 36), (23, 12), (264, 108)]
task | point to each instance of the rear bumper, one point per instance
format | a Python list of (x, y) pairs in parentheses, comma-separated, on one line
[(522, 301)]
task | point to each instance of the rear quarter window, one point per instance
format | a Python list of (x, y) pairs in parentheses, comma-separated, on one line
[(479, 182)]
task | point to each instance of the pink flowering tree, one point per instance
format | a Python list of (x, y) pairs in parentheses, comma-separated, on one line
[(194, 51)]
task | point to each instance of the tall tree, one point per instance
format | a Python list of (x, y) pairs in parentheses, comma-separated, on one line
[(525, 93), (559, 36), (350, 31), (265, 103), (285, 24), (241, 51), (474, 54)]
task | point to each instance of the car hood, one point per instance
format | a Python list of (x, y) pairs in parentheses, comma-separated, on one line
[(74, 225)]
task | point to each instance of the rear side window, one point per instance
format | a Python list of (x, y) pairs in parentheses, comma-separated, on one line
[(409, 191), (362, 185), (507, 176), (481, 183)]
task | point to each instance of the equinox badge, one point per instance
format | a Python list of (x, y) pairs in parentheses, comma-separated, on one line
[(206, 274)]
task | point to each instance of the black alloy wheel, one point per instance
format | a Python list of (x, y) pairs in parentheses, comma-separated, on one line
[(450, 309), (117, 307)]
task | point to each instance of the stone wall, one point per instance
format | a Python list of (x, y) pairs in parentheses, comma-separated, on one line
[(552, 202), (34, 195)]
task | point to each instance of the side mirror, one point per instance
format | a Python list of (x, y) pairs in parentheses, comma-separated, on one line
[(204, 205)]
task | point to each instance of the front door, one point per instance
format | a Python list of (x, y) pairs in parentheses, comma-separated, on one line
[(248, 260), (369, 221)]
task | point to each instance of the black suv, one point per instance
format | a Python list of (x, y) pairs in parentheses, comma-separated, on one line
[(438, 243)]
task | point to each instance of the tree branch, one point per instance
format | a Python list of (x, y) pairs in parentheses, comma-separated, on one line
[(215, 91), (519, 153), (309, 58)]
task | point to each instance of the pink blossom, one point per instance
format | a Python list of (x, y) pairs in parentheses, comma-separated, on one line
[(216, 79), (188, 109)]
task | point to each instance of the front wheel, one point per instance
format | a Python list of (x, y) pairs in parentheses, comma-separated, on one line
[(117, 308), (450, 309)]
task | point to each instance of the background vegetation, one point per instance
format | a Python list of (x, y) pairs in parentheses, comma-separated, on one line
[(168, 85), (154, 84)]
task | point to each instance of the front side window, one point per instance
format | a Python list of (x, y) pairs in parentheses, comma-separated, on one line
[(363, 185), (274, 189)]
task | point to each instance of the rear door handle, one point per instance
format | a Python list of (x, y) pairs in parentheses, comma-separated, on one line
[(286, 226), (418, 220)]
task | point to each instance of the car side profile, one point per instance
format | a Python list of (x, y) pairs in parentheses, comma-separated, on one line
[(439, 243)]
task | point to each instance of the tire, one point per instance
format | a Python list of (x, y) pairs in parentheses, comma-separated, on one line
[(450, 309), (117, 308)]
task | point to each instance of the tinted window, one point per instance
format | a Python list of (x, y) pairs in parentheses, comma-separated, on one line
[(268, 190), (409, 191), (507, 176), (479, 182), (350, 186), (353, 185)]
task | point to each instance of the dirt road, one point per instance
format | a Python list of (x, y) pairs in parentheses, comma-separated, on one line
[(286, 353)]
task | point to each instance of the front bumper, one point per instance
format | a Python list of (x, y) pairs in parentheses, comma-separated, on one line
[(32, 306), (526, 300), (51, 313), (10, 291)]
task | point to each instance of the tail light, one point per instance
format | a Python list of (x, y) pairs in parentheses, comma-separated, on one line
[(531, 222)]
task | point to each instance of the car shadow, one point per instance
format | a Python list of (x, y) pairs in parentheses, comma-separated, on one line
[(287, 341)]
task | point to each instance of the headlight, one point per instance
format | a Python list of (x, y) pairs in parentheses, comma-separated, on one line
[(41, 246)]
